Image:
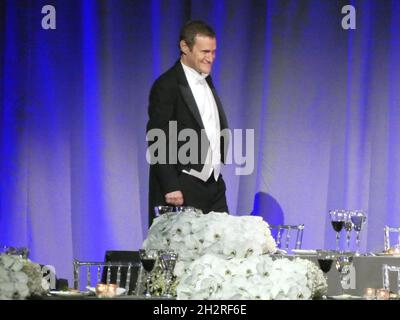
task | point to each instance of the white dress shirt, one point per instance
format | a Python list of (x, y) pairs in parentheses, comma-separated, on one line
[(209, 115)]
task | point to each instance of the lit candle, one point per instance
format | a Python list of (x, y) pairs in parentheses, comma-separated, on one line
[(111, 290), (101, 290), (106, 290), (393, 296), (369, 293), (382, 294)]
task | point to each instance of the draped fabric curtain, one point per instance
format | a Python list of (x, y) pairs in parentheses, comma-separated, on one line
[(323, 103)]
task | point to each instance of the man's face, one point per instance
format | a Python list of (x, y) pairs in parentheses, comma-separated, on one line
[(202, 55)]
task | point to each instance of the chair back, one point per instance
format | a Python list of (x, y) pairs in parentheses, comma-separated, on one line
[(387, 232), (123, 273), (386, 269), (284, 235)]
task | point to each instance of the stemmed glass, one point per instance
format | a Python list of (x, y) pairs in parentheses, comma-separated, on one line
[(337, 220), (172, 210), (325, 261), (180, 209), (148, 259), (168, 260), (348, 226), (343, 262), (359, 219), (160, 210)]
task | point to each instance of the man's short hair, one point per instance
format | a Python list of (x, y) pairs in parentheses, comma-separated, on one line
[(193, 28)]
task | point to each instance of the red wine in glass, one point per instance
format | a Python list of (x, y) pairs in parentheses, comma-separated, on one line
[(337, 221), (337, 225), (148, 264), (148, 259), (325, 264)]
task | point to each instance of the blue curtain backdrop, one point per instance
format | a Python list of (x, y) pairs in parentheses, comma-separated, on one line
[(324, 103)]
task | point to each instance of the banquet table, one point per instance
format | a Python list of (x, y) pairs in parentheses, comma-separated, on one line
[(365, 272)]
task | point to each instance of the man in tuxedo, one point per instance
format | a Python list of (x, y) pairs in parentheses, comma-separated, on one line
[(182, 100)]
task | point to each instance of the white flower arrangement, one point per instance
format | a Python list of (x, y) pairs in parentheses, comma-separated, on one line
[(192, 234), (20, 278), (226, 257), (256, 277)]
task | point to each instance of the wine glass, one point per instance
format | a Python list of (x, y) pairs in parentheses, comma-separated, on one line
[(180, 209), (168, 260), (343, 262), (160, 210), (359, 219), (325, 260), (148, 259), (348, 226), (337, 221)]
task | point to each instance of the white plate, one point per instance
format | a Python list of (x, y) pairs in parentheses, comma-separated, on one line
[(346, 297), (281, 251), (304, 252), (384, 254), (68, 293)]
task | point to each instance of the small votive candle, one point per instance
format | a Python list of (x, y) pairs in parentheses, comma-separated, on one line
[(393, 296), (369, 293), (101, 290), (382, 294), (106, 290), (111, 290)]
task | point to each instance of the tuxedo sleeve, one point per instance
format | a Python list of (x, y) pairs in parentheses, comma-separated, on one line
[(161, 112)]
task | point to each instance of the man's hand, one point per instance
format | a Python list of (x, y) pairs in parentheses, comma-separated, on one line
[(175, 198)]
